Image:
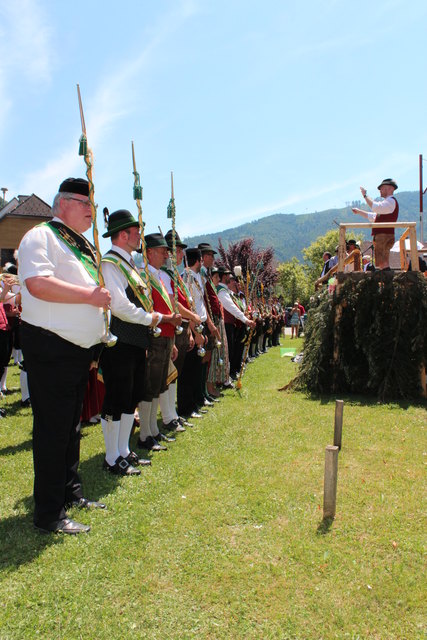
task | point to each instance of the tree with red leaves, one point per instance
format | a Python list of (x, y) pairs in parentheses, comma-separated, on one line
[(247, 255)]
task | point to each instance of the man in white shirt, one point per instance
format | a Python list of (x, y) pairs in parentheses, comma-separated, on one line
[(63, 323), (385, 211), (233, 316), (123, 365)]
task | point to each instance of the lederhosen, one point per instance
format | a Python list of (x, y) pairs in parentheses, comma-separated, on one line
[(123, 366), (159, 349)]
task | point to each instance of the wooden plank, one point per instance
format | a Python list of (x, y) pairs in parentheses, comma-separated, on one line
[(330, 482), (339, 409)]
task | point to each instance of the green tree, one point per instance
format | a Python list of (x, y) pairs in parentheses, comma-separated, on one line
[(313, 254), (293, 282)]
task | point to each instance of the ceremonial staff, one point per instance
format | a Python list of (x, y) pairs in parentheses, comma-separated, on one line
[(171, 214), (260, 266), (108, 338), (137, 196), (199, 328)]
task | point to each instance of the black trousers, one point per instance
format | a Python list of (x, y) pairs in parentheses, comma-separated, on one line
[(239, 345), (57, 377), (123, 370), (230, 331), (188, 388)]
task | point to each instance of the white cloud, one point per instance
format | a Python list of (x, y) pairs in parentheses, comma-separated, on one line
[(111, 100)]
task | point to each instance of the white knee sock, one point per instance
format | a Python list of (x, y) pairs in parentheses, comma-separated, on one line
[(23, 379), (172, 400), (111, 430), (126, 424), (3, 386), (165, 408), (153, 417), (144, 409)]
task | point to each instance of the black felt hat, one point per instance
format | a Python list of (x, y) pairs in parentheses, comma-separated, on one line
[(388, 181), (118, 221), (205, 247), (155, 240), (168, 238), (223, 271), (74, 185)]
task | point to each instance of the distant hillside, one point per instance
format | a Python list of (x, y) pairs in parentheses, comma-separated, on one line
[(288, 233)]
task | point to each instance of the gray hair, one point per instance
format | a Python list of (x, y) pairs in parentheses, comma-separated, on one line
[(63, 195)]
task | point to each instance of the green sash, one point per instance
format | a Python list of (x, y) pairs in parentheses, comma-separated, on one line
[(160, 288), (137, 284), (70, 242)]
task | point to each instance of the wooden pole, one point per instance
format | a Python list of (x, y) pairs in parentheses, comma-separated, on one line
[(330, 482), (421, 200), (339, 408)]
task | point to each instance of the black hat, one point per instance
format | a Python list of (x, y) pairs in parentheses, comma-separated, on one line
[(205, 247), (74, 185), (155, 240), (351, 241), (223, 271), (388, 181), (168, 238), (193, 252), (215, 270), (118, 221)]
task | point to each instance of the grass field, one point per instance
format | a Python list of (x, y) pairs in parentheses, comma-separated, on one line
[(223, 537)]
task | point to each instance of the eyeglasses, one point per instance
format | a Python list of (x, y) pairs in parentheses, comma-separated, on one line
[(85, 203)]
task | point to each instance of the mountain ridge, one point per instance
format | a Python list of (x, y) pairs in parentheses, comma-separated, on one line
[(290, 233)]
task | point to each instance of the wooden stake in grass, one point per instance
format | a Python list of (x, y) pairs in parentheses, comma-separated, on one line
[(330, 481), (339, 408)]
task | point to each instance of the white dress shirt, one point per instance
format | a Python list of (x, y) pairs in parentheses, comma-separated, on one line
[(42, 253), (229, 305), (116, 283)]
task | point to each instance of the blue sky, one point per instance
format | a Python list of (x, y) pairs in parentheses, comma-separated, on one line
[(257, 107)]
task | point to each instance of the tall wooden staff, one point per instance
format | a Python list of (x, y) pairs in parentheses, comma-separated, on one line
[(108, 338), (260, 266), (137, 196), (171, 214)]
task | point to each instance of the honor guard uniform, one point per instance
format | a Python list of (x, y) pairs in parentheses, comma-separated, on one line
[(233, 319), (160, 349), (63, 324), (184, 341), (123, 365), (190, 398)]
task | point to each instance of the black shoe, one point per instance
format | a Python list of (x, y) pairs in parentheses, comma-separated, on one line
[(26, 403), (121, 468), (184, 423), (2, 413), (174, 425), (64, 526), (136, 461), (84, 503), (207, 403), (161, 436), (150, 444)]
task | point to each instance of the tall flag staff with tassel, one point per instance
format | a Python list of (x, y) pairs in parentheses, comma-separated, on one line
[(259, 268), (137, 196), (171, 214), (108, 338)]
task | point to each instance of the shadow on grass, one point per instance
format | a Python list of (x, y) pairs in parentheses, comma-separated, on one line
[(17, 448), (97, 483), (21, 543), (324, 526)]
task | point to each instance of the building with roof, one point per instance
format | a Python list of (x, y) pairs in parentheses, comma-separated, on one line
[(17, 217)]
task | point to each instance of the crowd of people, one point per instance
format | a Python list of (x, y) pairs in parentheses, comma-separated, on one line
[(165, 335)]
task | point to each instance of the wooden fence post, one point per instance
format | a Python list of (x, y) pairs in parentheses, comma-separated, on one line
[(330, 481), (339, 408)]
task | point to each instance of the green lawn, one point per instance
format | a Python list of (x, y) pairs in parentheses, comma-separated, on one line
[(222, 537)]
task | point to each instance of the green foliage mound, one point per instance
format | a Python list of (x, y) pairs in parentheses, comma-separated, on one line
[(369, 337)]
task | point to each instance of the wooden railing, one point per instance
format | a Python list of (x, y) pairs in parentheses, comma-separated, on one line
[(410, 230)]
